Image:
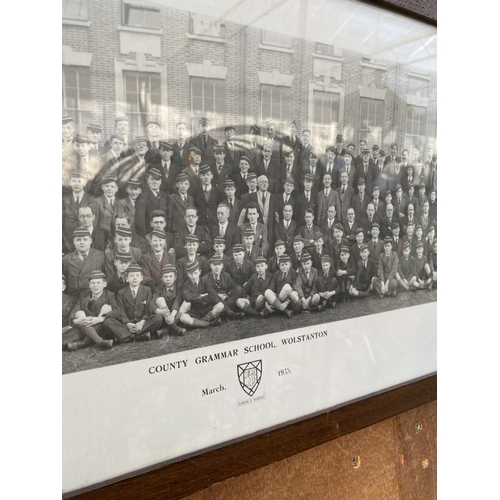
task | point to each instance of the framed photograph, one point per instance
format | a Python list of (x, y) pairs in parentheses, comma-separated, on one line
[(249, 221)]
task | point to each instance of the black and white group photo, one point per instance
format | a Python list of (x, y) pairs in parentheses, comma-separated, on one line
[(221, 182)]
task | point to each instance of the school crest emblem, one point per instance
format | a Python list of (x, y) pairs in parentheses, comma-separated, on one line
[(249, 375)]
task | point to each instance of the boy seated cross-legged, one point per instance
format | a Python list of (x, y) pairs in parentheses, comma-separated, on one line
[(327, 285), (168, 299), (306, 284), (255, 289), (278, 295), (365, 272)]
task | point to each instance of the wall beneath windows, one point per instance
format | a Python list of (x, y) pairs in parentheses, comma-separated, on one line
[(242, 53)]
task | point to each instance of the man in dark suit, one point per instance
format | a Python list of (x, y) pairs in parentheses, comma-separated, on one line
[(328, 225), (90, 313), (305, 150), (181, 147), (350, 226), (307, 200), (204, 142), (286, 198), (326, 198), (308, 231), (191, 227), (178, 202), (385, 282), (315, 169), (253, 148), (365, 272), (286, 229), (94, 131), (77, 266), (259, 229), (346, 194), (149, 201), (290, 168), (122, 130), (225, 229), (99, 237), (270, 168), (387, 221), (126, 206), (109, 164), (360, 200), (391, 158), (153, 135), (206, 198), (193, 170), (274, 140), (327, 163), (240, 176)]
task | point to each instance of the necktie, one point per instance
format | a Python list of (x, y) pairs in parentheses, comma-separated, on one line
[(261, 280), (77, 202), (205, 142), (263, 199), (286, 199), (265, 165), (307, 275), (217, 281), (133, 293), (184, 199), (83, 256), (222, 233), (284, 276), (111, 202), (343, 189), (326, 276)]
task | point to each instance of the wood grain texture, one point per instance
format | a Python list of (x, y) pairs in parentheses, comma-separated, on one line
[(391, 454), (183, 478)]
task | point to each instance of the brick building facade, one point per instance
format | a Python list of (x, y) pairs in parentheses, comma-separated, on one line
[(146, 61)]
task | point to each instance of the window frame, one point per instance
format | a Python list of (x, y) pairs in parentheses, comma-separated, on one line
[(413, 139), (143, 8), (217, 115), (367, 131), (281, 123), (79, 112)]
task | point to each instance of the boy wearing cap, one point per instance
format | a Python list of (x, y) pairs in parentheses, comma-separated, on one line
[(94, 131), (318, 251), (337, 242), (287, 197), (169, 171), (251, 250), (90, 313), (206, 198), (385, 283), (240, 269), (278, 295), (219, 247), (375, 245), (126, 206), (178, 203), (358, 243), (397, 241), (240, 176), (192, 244), (327, 284), (377, 203), (123, 221), (204, 142), (71, 204), (235, 205), (149, 201), (137, 304), (298, 250), (190, 226), (118, 279), (202, 306), (422, 268), (77, 266), (133, 166), (221, 170), (365, 272), (105, 206), (279, 251), (305, 284), (255, 288), (252, 189), (292, 141), (122, 243), (406, 269), (168, 300), (82, 159), (153, 263), (225, 287), (314, 168), (346, 271), (365, 169)]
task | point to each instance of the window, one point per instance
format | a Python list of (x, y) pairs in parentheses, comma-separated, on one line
[(276, 39), (207, 100), (275, 104), (328, 50), (143, 98), (74, 9), (76, 95), (416, 117), (371, 121), (207, 26), (140, 16), (326, 114)]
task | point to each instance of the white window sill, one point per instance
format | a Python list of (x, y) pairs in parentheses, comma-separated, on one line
[(76, 22), (374, 65), (276, 49), (418, 75), (329, 58), (216, 39), (133, 29)]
